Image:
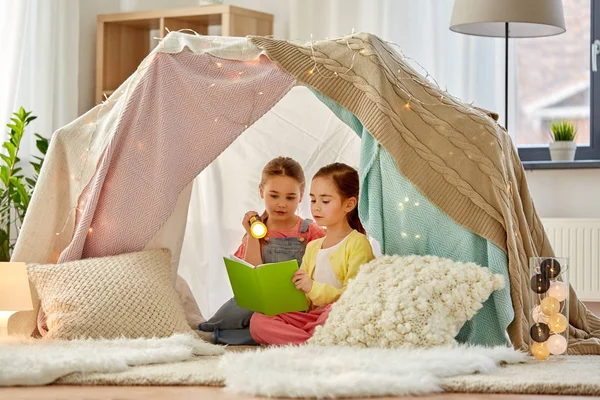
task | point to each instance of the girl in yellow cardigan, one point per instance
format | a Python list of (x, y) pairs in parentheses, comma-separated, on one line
[(328, 264)]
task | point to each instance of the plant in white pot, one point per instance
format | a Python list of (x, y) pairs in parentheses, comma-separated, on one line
[(563, 147)]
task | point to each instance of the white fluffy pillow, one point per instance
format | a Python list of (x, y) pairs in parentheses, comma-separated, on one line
[(412, 301), (129, 295)]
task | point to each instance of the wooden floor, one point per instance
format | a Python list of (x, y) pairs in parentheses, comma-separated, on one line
[(196, 393)]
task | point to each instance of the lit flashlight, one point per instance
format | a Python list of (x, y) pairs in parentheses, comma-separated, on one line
[(257, 228)]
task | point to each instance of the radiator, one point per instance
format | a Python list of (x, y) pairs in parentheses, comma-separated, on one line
[(579, 240)]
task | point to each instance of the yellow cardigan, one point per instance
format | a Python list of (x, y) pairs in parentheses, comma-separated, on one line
[(345, 261)]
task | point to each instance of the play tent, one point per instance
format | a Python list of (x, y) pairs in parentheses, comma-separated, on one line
[(438, 176)]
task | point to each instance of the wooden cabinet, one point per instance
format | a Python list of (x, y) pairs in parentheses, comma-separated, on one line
[(123, 40)]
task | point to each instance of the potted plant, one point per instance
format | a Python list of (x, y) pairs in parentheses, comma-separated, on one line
[(15, 188), (563, 147)]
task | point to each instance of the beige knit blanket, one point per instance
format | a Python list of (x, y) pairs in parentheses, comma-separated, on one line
[(459, 157)]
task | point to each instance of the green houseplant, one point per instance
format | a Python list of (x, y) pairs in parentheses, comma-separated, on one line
[(563, 146), (15, 188)]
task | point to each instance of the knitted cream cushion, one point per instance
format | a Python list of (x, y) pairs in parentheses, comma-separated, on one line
[(409, 301), (129, 295)]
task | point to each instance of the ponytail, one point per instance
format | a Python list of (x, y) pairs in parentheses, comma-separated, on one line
[(354, 221)]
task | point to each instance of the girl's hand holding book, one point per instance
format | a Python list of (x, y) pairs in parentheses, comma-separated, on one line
[(302, 281)]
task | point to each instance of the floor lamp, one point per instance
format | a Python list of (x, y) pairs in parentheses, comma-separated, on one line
[(508, 19)]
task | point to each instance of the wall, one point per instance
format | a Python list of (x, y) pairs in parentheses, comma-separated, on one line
[(89, 10), (594, 307), (571, 193)]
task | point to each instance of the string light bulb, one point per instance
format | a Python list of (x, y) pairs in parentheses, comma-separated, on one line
[(558, 323), (540, 283), (559, 290), (540, 351), (539, 332), (550, 306), (550, 268), (557, 344), (538, 316)]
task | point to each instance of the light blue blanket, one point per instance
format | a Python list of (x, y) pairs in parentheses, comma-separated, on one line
[(404, 222)]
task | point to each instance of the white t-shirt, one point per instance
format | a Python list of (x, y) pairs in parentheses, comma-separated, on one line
[(323, 270)]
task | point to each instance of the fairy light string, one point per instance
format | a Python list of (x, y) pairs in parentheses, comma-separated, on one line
[(427, 82), (81, 203)]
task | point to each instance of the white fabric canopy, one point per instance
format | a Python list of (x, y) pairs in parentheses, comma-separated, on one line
[(228, 188)]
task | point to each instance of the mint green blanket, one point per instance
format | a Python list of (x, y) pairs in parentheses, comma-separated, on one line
[(404, 222)]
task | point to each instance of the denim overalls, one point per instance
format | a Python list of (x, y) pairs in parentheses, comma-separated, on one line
[(231, 323)]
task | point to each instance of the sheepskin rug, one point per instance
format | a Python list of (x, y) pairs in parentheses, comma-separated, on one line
[(327, 372), (27, 361), (407, 302)]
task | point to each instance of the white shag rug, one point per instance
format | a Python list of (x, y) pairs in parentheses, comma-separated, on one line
[(566, 375), (326, 372), (28, 362)]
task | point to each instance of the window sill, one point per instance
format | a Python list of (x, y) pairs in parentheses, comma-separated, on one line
[(577, 164)]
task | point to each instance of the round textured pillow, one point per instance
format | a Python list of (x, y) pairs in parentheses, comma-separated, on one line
[(414, 301)]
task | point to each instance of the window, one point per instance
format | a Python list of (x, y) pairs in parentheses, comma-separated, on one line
[(555, 82)]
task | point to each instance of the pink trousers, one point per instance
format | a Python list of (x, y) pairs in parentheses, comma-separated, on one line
[(288, 328)]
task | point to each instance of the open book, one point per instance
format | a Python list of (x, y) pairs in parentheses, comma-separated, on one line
[(267, 288)]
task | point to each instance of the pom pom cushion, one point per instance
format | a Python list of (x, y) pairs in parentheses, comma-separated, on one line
[(129, 295), (414, 301)]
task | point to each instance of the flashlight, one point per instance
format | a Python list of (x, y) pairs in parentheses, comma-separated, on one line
[(257, 228)]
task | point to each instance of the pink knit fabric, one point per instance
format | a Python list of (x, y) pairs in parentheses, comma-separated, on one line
[(185, 111), (288, 328)]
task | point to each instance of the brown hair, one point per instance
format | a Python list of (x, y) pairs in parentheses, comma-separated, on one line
[(283, 166), (346, 181)]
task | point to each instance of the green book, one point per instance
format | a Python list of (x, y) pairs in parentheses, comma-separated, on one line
[(266, 288)]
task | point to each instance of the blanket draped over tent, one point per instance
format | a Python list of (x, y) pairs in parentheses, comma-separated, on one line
[(115, 179)]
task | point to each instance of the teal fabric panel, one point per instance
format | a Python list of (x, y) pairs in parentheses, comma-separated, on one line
[(405, 222)]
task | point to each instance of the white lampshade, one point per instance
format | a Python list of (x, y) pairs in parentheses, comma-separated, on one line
[(526, 18), (14, 287)]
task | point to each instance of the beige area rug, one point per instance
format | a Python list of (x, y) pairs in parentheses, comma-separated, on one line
[(575, 375), (572, 375), (200, 371)]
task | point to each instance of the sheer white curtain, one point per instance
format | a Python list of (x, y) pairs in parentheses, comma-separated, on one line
[(471, 68), (39, 66)]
